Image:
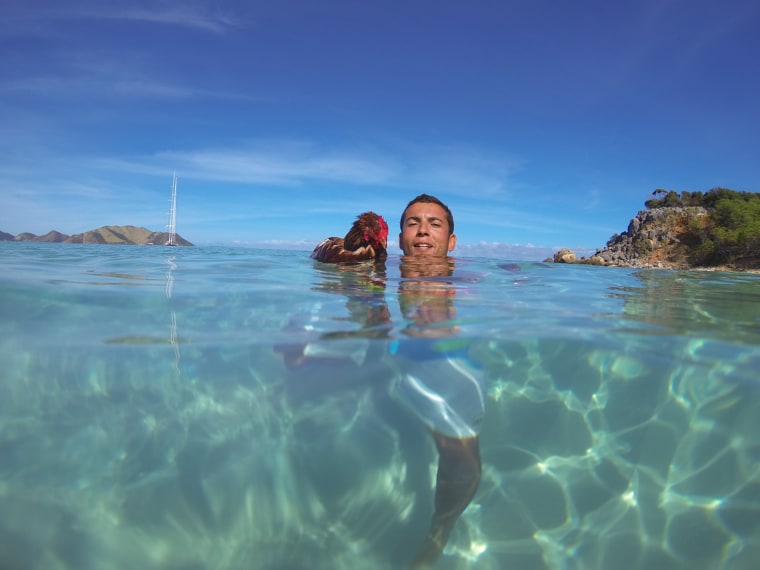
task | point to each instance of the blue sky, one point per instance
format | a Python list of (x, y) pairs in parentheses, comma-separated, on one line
[(543, 124)]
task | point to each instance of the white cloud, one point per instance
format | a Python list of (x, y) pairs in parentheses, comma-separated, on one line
[(186, 14), (288, 163), (30, 16)]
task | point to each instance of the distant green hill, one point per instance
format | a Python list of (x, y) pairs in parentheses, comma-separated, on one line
[(118, 235)]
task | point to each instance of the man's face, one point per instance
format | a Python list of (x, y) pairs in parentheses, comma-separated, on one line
[(425, 231)]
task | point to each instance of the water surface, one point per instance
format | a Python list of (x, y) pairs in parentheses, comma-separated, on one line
[(224, 408)]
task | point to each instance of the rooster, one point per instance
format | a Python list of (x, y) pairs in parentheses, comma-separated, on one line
[(367, 239)]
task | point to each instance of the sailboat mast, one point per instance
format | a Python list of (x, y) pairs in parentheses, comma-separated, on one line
[(172, 225)]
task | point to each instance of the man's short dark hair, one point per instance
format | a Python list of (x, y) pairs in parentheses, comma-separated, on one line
[(428, 199)]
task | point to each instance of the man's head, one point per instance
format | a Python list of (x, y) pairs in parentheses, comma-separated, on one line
[(427, 227)]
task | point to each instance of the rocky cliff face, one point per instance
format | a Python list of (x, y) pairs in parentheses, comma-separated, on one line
[(654, 238), (660, 237)]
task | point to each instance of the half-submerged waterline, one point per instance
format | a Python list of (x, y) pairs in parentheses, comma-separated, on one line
[(224, 408)]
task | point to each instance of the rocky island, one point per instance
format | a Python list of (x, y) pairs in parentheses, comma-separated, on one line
[(718, 229), (121, 235)]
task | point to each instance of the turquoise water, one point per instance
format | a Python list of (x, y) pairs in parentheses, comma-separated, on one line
[(224, 408)]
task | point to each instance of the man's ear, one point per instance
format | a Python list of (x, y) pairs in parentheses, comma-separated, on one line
[(452, 242)]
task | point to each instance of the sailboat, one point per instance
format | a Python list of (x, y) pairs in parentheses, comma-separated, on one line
[(172, 225)]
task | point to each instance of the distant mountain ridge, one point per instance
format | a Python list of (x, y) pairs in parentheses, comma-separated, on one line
[(117, 235)]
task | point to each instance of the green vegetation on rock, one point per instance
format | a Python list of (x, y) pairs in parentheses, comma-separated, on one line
[(719, 229), (730, 232)]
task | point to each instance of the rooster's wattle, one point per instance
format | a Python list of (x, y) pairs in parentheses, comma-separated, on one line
[(367, 239)]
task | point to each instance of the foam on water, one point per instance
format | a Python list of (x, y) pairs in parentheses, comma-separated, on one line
[(224, 408)]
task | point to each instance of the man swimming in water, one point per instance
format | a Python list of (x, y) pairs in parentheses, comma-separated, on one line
[(436, 382)]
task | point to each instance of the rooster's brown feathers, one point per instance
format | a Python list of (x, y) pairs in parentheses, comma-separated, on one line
[(367, 239)]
